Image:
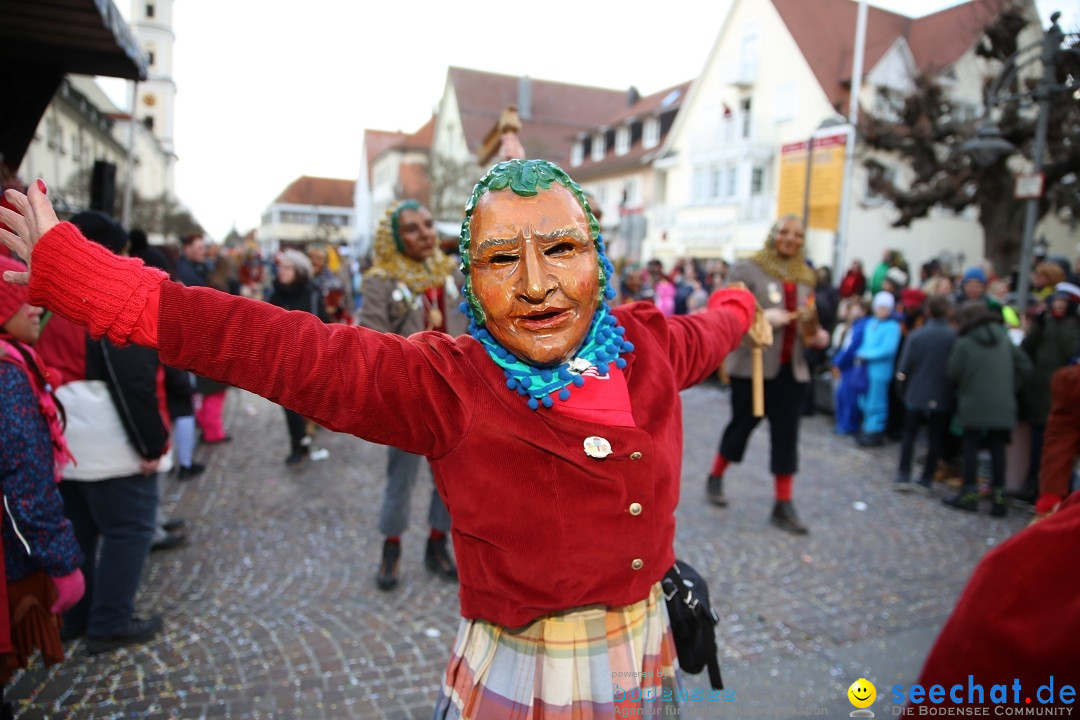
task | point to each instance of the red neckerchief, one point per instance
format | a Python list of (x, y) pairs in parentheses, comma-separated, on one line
[(787, 348), (46, 403), (602, 399)]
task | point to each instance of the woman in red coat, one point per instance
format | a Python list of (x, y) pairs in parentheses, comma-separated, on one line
[(553, 428)]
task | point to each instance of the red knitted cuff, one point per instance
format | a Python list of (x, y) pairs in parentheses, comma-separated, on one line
[(1046, 503), (87, 284), (740, 302)]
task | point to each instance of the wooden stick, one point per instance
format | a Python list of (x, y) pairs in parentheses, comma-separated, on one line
[(757, 381)]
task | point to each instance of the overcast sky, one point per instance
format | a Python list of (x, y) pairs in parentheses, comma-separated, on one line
[(268, 92)]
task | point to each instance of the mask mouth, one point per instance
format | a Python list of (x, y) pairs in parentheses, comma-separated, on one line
[(542, 319)]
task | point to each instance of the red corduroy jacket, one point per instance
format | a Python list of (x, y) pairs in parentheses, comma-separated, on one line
[(539, 526)]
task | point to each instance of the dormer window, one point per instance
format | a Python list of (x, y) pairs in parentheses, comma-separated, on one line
[(622, 140), (598, 148), (577, 153), (650, 133)]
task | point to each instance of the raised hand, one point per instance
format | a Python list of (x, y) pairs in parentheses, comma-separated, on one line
[(33, 217)]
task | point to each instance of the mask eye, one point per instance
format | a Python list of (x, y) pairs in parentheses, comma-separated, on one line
[(562, 248)]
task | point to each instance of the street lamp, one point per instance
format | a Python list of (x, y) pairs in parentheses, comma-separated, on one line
[(988, 145)]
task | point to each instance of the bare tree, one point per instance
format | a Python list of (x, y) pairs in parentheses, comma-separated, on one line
[(927, 128)]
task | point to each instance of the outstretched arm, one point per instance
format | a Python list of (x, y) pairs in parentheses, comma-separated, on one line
[(392, 390)]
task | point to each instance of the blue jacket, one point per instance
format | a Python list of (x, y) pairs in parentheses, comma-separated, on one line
[(881, 340), (844, 359)]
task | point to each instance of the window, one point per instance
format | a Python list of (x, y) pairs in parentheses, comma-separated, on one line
[(577, 153), (622, 140), (716, 182), (150, 57), (630, 198), (748, 54), (149, 10), (744, 108), (651, 132), (729, 181), (54, 133), (757, 180), (598, 148), (701, 182)]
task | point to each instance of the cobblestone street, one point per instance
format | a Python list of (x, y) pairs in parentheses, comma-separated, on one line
[(272, 612)]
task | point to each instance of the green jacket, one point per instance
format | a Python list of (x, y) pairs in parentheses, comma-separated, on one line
[(987, 369), (1050, 343)]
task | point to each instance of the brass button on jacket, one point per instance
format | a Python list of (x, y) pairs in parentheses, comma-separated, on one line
[(637, 564), (635, 456), (635, 508)]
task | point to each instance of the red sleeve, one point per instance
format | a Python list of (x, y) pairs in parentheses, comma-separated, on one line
[(145, 330), (414, 393), (88, 285), (700, 342), (1019, 616)]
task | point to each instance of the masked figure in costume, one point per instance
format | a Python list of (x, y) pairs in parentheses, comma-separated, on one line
[(783, 285), (553, 429), (410, 287)]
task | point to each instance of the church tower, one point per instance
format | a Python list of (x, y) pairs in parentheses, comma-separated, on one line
[(155, 102)]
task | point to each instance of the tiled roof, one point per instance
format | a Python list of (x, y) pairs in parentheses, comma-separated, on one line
[(422, 137), (667, 100), (415, 183), (825, 33), (307, 190), (558, 110), (939, 40), (670, 98)]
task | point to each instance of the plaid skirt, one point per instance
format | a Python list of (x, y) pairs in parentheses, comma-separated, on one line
[(590, 663)]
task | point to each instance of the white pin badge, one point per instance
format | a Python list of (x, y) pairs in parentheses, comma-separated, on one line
[(580, 365), (597, 447), (774, 293)]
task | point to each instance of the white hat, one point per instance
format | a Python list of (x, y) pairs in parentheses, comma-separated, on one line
[(884, 299), (897, 275)]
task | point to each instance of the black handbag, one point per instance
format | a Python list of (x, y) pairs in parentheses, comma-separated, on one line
[(693, 621)]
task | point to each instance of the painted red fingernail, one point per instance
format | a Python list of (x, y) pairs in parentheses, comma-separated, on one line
[(41, 186)]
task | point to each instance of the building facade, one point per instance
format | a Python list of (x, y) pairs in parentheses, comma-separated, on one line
[(613, 162), (730, 163), (309, 210)]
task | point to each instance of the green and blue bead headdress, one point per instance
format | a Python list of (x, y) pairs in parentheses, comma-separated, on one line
[(604, 340)]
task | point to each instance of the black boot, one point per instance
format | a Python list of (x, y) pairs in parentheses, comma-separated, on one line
[(785, 518), (437, 559), (300, 451), (967, 499), (999, 508), (714, 487), (870, 439), (387, 579)]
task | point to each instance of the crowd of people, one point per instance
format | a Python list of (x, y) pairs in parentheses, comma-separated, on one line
[(948, 350), (543, 313)]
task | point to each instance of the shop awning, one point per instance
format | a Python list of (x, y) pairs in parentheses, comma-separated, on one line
[(40, 42), (88, 37)]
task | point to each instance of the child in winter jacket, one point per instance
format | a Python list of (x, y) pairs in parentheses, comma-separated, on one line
[(881, 341)]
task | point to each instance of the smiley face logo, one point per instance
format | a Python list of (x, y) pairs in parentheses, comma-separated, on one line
[(862, 693)]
